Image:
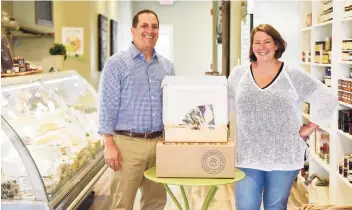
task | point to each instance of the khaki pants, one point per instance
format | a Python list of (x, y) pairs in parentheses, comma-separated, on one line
[(138, 155)]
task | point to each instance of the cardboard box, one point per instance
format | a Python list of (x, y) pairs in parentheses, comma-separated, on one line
[(195, 108), (195, 160)]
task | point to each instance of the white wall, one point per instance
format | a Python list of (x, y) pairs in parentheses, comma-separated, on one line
[(35, 50), (192, 26), (125, 22), (284, 16)]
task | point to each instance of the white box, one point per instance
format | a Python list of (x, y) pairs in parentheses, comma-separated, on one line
[(181, 94)]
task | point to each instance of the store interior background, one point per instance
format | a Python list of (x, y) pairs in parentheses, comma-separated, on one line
[(195, 49)]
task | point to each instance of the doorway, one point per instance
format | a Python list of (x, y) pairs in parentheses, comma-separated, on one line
[(165, 43)]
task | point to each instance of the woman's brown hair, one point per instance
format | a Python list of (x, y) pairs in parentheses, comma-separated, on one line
[(271, 31)]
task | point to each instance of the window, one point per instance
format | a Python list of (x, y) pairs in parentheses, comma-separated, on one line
[(43, 13)]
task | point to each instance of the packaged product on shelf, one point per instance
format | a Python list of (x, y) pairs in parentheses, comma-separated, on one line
[(306, 108), (346, 45), (323, 143), (348, 9), (328, 76), (309, 20), (304, 56), (195, 109), (346, 55), (325, 59), (200, 160), (326, 12), (345, 117)]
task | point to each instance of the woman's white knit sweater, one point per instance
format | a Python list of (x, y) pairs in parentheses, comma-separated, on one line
[(268, 120)]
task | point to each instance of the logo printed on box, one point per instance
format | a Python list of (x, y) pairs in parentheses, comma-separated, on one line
[(213, 162)]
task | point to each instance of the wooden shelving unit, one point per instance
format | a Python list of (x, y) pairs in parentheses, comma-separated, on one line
[(339, 28)]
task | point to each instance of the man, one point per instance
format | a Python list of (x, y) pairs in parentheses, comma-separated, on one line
[(130, 115)]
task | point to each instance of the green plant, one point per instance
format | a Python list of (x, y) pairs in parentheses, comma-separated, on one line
[(58, 49)]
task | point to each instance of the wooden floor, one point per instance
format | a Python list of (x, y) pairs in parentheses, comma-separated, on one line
[(223, 200)]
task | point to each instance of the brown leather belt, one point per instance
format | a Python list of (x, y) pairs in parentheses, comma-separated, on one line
[(151, 135)]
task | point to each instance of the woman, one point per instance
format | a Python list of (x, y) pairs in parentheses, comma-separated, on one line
[(266, 96)]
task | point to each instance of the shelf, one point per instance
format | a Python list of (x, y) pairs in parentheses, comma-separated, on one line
[(326, 129), (344, 180), (307, 28), (321, 162), (21, 34), (345, 104), (9, 26), (13, 74), (345, 20), (345, 62), (320, 64), (345, 78), (307, 116), (316, 64), (337, 29), (344, 91), (347, 135), (322, 24)]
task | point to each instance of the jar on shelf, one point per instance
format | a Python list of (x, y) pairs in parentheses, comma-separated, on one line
[(344, 83), (327, 46), (348, 86), (309, 20), (317, 58), (343, 97), (346, 159), (325, 58), (346, 55), (303, 56)]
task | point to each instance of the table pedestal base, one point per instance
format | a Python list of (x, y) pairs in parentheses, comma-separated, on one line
[(206, 203)]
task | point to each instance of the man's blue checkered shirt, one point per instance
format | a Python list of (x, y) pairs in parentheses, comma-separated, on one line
[(130, 94)]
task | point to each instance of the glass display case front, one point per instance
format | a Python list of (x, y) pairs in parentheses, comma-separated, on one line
[(55, 119), (82, 102), (15, 182)]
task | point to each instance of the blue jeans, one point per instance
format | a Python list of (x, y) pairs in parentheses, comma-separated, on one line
[(275, 185)]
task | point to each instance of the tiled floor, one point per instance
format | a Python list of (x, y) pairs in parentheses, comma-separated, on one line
[(223, 200)]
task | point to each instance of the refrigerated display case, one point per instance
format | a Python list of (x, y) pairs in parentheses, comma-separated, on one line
[(51, 152)]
